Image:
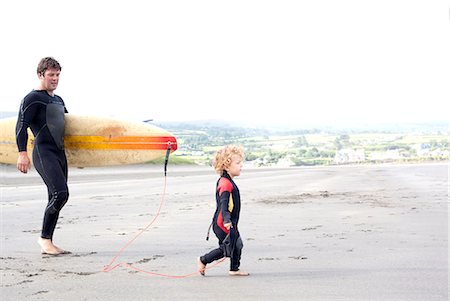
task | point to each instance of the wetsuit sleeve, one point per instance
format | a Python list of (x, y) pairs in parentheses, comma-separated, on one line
[(225, 187), (65, 109), (27, 112)]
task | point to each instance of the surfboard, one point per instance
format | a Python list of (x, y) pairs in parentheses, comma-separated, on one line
[(97, 141)]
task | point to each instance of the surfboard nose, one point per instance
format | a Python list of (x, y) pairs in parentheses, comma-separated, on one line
[(172, 140)]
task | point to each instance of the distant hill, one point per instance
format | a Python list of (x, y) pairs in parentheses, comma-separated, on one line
[(225, 128), (7, 114)]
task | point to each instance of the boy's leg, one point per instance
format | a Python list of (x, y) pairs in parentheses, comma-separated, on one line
[(236, 260), (214, 255), (236, 257), (202, 261)]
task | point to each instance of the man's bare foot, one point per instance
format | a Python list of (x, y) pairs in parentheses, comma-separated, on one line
[(238, 273), (47, 247), (201, 266), (62, 251)]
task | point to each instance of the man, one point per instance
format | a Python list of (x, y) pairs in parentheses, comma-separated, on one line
[(43, 112)]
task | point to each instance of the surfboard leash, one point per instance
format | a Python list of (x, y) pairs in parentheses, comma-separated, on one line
[(166, 160), (110, 267)]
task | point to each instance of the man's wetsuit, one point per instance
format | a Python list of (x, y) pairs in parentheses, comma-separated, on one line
[(228, 202), (44, 114)]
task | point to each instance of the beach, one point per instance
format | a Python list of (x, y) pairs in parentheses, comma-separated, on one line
[(362, 232)]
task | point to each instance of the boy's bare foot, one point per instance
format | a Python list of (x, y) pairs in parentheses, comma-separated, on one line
[(201, 266), (238, 273), (47, 247)]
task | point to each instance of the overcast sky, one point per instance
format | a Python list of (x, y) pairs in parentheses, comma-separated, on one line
[(275, 61)]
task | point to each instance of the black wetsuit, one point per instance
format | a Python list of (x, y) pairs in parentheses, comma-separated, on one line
[(44, 114), (228, 202)]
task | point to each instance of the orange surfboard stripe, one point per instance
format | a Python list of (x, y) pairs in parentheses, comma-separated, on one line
[(120, 143)]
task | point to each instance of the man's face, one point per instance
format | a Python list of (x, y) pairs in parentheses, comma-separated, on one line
[(49, 80)]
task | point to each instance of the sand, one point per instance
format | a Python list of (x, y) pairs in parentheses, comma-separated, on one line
[(310, 233)]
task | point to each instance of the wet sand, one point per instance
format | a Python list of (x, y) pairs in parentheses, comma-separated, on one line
[(311, 233)]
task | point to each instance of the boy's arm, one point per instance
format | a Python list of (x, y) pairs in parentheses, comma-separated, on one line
[(224, 205), (224, 188)]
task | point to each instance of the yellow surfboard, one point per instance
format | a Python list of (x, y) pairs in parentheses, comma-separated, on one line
[(97, 141)]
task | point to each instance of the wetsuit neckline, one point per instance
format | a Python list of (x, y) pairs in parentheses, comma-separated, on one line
[(46, 92), (226, 175)]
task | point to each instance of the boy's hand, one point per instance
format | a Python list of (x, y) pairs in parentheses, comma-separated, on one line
[(228, 226)]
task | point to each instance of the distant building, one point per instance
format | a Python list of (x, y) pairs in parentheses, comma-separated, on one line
[(285, 162), (348, 155), (425, 151), (422, 150), (389, 155)]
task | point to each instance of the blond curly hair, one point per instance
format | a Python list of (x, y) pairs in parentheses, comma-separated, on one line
[(222, 158)]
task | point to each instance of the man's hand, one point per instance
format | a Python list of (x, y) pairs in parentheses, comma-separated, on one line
[(23, 162)]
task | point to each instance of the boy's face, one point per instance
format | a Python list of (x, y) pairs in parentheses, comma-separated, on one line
[(235, 167)]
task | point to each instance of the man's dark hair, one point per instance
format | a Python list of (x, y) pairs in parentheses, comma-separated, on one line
[(48, 63)]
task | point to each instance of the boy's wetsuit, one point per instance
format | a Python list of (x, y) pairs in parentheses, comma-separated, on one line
[(228, 202), (44, 114)]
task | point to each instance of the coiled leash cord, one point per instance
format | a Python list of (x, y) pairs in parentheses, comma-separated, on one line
[(113, 265)]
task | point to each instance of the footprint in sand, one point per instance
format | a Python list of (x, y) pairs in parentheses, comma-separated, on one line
[(145, 260), (298, 257), (268, 258), (39, 293), (82, 254)]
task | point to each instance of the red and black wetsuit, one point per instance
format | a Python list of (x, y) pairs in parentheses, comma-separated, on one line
[(228, 202), (44, 114)]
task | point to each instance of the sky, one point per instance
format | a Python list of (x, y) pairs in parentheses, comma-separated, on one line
[(294, 62)]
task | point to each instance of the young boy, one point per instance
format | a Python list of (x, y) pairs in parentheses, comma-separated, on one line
[(228, 163)]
